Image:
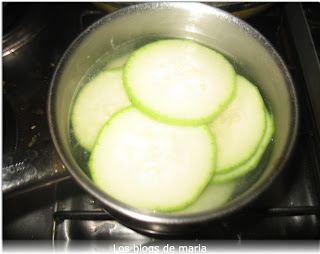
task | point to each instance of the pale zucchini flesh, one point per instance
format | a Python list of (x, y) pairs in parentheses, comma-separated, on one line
[(214, 196), (194, 126), (179, 81), (152, 165), (240, 128), (253, 161), (96, 102)]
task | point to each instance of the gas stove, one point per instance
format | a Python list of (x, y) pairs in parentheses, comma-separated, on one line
[(42, 202)]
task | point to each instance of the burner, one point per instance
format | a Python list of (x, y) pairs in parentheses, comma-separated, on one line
[(21, 23)]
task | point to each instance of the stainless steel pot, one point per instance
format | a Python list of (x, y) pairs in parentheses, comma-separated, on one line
[(210, 26)]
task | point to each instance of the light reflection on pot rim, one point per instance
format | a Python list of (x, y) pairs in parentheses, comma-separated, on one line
[(151, 222)]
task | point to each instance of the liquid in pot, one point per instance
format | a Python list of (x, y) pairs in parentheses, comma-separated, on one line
[(215, 195)]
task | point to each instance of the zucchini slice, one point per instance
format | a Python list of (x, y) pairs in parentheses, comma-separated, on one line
[(179, 82), (152, 165), (215, 195), (96, 102), (240, 128), (253, 161)]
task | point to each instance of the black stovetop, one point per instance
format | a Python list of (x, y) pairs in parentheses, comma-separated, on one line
[(63, 211)]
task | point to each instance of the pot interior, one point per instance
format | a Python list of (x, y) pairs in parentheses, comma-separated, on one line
[(132, 27)]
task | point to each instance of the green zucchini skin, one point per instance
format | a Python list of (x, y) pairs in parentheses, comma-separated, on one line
[(184, 193), (240, 128), (99, 99), (152, 165), (253, 162), (214, 196), (193, 96)]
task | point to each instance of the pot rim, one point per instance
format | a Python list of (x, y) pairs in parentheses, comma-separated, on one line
[(122, 211)]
